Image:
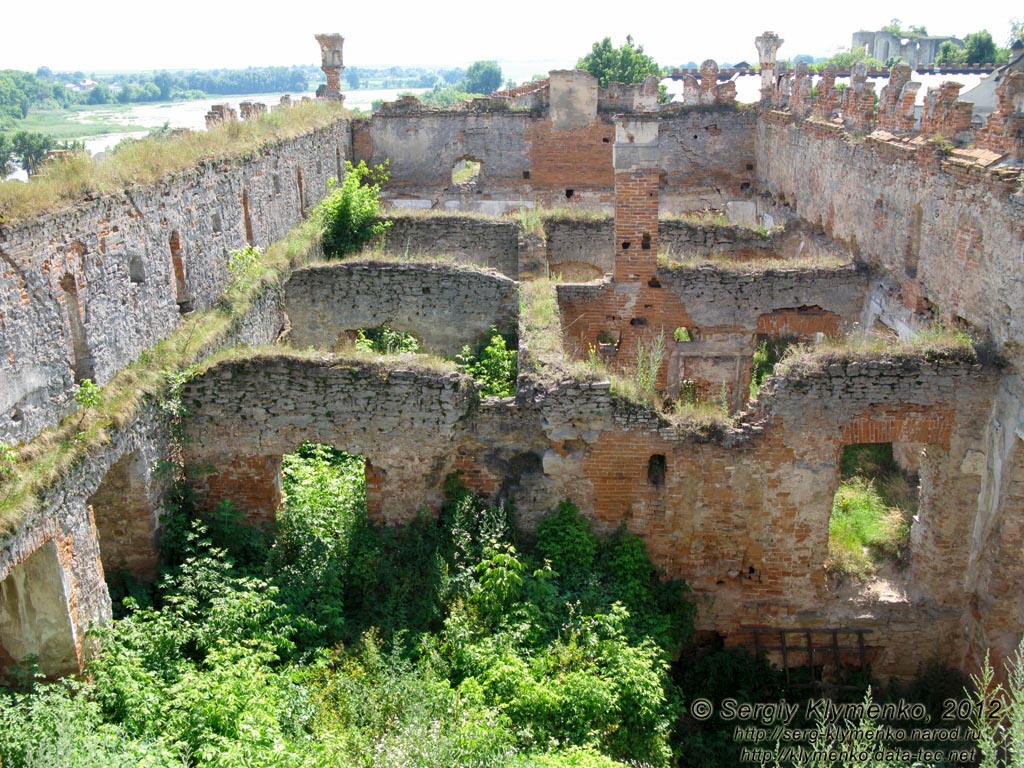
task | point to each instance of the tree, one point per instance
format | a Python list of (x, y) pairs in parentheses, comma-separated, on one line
[(979, 48), (950, 54), (627, 64), (1016, 31), (31, 149), (6, 156), (352, 76), (100, 94), (165, 81), (482, 77), (844, 60)]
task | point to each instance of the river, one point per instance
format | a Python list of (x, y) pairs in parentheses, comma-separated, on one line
[(192, 114)]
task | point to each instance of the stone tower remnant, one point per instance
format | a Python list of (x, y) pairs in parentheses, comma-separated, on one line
[(768, 45), (331, 63)]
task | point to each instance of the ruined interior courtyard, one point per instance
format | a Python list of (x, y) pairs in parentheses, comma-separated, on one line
[(585, 231)]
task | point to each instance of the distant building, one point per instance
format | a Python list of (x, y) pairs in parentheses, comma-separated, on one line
[(917, 51), (983, 95)]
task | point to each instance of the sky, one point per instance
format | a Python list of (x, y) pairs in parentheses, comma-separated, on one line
[(108, 35)]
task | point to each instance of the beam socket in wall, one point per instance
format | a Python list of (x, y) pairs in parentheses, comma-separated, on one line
[(657, 468)]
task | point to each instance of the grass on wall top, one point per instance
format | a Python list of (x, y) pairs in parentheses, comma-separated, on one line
[(68, 180)]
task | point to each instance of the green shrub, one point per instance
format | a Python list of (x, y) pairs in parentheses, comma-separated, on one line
[(495, 365), (349, 215), (565, 539), (769, 351), (385, 340)]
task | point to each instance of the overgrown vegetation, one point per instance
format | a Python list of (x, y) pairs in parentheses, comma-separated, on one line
[(929, 344), (871, 513), (768, 352), (542, 329), (71, 178), (385, 340), (494, 363), (349, 216), (447, 642)]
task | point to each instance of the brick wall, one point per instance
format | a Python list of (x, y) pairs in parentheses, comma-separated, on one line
[(961, 225), (722, 309), (576, 159)]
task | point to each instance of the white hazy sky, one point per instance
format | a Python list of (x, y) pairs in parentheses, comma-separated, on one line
[(199, 34)]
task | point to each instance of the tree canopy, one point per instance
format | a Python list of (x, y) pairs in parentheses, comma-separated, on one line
[(482, 77), (979, 48), (626, 64)]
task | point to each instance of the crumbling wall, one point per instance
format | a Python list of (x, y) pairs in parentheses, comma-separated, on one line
[(84, 291), (444, 306), (707, 157), (946, 232), (744, 517), (405, 420), (721, 308), (101, 515), (591, 241), (422, 146)]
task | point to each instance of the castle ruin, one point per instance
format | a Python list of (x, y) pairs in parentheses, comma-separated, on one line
[(866, 221)]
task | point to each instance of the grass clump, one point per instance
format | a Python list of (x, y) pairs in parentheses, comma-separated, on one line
[(541, 328), (725, 262), (931, 344), (69, 179), (871, 512)]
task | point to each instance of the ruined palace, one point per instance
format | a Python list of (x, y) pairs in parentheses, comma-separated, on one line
[(846, 212)]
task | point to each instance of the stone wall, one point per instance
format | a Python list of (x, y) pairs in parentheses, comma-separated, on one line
[(707, 157), (492, 243), (591, 241), (423, 146), (404, 419), (444, 306), (946, 232), (101, 516), (84, 291), (555, 157), (743, 516)]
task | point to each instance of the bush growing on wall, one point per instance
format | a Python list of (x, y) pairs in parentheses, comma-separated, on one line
[(349, 215)]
